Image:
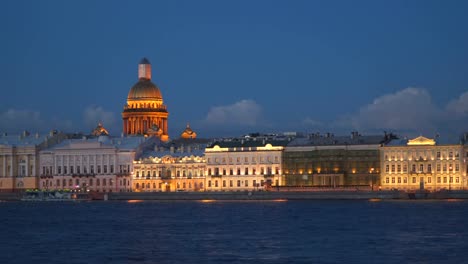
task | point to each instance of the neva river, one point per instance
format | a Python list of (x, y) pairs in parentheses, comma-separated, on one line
[(234, 232)]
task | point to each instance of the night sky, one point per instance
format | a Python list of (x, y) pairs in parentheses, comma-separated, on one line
[(233, 67)]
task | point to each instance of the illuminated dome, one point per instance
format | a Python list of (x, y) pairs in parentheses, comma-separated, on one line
[(144, 89), (188, 133)]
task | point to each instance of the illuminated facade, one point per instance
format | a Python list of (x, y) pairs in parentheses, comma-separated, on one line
[(145, 112), (168, 167), (423, 163), (240, 164), (333, 161), (102, 164), (19, 162)]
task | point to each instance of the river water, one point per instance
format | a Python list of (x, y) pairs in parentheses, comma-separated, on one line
[(234, 232)]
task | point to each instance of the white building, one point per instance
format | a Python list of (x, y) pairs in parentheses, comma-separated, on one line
[(240, 164), (102, 164)]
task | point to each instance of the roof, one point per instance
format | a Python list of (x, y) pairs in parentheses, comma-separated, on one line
[(144, 61), (338, 140), (237, 143), (121, 143), (439, 141), (22, 140), (144, 89)]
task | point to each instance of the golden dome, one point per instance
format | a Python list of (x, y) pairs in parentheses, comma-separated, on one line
[(146, 90), (188, 133)]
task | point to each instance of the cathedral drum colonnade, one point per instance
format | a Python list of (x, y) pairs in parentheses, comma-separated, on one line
[(145, 112)]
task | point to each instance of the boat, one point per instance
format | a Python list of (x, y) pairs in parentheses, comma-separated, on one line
[(54, 196)]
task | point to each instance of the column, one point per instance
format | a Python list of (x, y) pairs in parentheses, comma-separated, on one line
[(4, 165), (27, 165), (11, 166), (165, 126)]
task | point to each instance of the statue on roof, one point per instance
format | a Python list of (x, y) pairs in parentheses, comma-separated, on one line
[(100, 131)]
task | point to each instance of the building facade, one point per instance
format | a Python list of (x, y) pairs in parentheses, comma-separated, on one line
[(168, 167), (333, 161), (19, 162), (423, 163), (244, 165), (145, 112), (101, 164)]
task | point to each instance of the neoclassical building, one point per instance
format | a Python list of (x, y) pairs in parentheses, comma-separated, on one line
[(176, 166), (101, 163), (145, 112), (243, 165), (423, 163), (19, 159)]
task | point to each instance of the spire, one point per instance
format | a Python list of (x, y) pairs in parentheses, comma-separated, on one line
[(144, 69)]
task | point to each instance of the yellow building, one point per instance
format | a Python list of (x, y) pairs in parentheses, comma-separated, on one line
[(168, 167), (19, 159), (423, 163), (145, 112)]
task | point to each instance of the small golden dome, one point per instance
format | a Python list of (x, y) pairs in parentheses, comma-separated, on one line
[(100, 131), (188, 133)]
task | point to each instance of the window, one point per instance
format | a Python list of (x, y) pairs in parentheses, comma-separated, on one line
[(90, 181), (254, 183), (450, 154), (209, 183), (445, 179), (429, 168), (387, 180), (216, 183), (399, 179), (59, 169), (91, 169), (71, 169), (104, 183), (405, 168), (451, 179), (57, 183), (414, 179), (99, 169), (457, 167), (429, 179), (77, 182), (421, 168), (413, 168), (64, 183), (238, 183), (393, 179), (98, 182), (230, 183), (224, 183), (445, 167), (111, 168), (231, 171), (70, 182), (105, 169), (457, 180), (238, 171), (438, 179), (246, 183), (405, 180), (398, 168), (438, 154), (438, 167), (246, 172), (64, 169), (393, 168), (224, 171), (254, 172), (78, 169)]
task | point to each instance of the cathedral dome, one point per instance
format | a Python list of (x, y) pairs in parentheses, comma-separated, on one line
[(144, 89)]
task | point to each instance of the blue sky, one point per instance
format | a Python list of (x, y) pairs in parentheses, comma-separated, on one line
[(231, 67)]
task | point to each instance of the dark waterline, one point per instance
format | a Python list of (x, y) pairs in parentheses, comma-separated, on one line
[(234, 232)]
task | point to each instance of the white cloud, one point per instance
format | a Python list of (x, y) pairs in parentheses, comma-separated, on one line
[(408, 109), (459, 106), (13, 120), (94, 114), (244, 113), (311, 123)]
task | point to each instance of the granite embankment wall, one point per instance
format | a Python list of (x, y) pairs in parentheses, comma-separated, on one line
[(10, 196), (342, 195)]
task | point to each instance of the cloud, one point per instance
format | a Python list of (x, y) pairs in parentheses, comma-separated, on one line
[(311, 123), (408, 109), (93, 115), (459, 106), (14, 120), (243, 113), (18, 120)]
